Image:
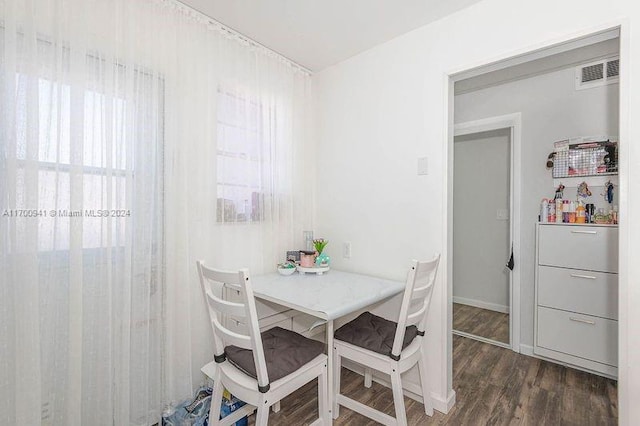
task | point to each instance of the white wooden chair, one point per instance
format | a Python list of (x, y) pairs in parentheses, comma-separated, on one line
[(389, 347), (258, 368)]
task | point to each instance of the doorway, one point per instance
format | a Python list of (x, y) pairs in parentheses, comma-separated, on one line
[(536, 156), (481, 235), (485, 225)]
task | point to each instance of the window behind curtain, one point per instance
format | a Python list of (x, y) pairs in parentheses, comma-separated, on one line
[(120, 133), (103, 174), (100, 137), (243, 157)]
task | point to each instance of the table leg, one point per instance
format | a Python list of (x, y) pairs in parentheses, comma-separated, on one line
[(330, 396)]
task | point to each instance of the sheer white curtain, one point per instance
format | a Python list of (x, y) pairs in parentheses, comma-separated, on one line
[(135, 138)]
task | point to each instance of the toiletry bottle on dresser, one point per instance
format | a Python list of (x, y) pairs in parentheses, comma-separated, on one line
[(580, 213), (572, 212), (552, 211), (590, 210), (544, 210), (559, 210)]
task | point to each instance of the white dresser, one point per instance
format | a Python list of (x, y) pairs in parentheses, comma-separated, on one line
[(576, 293)]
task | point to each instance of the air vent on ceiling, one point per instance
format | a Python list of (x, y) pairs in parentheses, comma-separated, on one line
[(613, 68), (592, 73), (598, 73)]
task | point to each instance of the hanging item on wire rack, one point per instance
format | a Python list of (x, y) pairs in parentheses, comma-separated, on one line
[(550, 160), (583, 190), (608, 194)]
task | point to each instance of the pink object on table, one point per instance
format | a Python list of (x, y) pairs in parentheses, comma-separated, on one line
[(307, 259)]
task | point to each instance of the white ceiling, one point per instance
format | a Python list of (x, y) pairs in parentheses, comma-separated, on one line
[(319, 33)]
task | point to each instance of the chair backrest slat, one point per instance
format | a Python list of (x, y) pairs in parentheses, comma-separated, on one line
[(219, 275), (414, 318), (225, 307), (232, 338), (416, 299), (213, 282), (420, 293)]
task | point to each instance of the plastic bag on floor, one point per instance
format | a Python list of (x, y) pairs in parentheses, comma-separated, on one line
[(195, 412), (230, 404)]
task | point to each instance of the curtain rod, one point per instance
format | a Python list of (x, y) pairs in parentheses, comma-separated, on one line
[(206, 19)]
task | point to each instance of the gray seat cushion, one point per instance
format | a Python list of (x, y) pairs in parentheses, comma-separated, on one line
[(374, 333), (284, 352)]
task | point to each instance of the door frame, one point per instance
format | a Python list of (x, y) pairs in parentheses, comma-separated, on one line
[(513, 122), (448, 81)]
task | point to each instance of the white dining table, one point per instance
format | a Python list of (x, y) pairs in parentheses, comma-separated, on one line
[(327, 297)]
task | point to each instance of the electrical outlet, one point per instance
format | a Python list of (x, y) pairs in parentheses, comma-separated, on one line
[(423, 166), (346, 250)]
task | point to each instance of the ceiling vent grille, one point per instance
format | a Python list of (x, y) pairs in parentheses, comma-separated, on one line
[(592, 73), (595, 74), (613, 68)]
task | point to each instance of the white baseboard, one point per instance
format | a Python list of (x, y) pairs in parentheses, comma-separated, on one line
[(445, 404), (526, 350), (596, 368), (412, 390), (481, 304)]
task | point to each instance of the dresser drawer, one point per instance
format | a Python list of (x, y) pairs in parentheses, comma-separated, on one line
[(592, 248), (584, 336), (586, 292)]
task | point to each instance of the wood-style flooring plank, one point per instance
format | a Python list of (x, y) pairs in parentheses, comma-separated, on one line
[(481, 322), (504, 411)]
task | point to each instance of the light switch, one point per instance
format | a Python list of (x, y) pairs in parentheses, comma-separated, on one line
[(423, 166)]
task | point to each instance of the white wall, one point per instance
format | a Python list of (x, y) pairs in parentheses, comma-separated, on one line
[(551, 110), (379, 111), (481, 241)]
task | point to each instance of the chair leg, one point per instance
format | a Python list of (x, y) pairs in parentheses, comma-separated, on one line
[(216, 400), (368, 377), (424, 383), (337, 369), (276, 407), (398, 398), (262, 415), (323, 394)]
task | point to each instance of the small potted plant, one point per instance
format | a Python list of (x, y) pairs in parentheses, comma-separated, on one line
[(321, 258)]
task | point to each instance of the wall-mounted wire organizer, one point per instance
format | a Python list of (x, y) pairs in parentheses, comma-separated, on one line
[(586, 158)]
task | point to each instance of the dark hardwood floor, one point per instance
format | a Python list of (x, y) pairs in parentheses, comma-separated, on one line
[(481, 322), (494, 386)]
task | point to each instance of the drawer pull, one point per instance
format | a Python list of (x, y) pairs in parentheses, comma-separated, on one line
[(587, 277), (582, 321), (584, 232)]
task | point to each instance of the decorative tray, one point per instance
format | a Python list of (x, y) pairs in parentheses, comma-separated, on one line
[(313, 270)]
